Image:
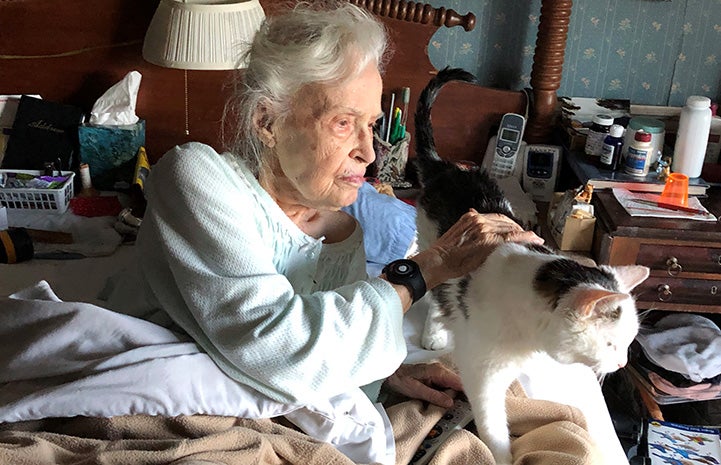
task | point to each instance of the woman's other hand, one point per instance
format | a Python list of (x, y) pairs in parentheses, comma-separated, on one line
[(465, 246), (425, 381)]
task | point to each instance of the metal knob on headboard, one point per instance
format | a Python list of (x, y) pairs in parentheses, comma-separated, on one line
[(418, 13)]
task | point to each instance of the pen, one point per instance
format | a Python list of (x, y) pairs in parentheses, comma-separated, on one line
[(396, 126), (390, 117), (670, 206), (406, 97)]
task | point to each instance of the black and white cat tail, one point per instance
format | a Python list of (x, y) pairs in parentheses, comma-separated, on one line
[(424, 142)]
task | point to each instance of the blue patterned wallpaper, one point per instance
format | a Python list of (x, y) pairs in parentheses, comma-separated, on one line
[(649, 51)]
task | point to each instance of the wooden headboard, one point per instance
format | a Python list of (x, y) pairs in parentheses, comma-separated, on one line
[(71, 51)]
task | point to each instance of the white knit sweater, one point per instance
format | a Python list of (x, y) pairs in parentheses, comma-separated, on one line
[(276, 309)]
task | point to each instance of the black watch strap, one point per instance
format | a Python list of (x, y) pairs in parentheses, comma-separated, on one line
[(407, 273)]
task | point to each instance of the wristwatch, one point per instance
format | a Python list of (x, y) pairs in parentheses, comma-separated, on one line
[(407, 273)]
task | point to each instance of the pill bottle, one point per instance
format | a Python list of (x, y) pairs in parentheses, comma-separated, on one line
[(656, 127), (694, 126), (596, 134), (640, 154), (611, 148)]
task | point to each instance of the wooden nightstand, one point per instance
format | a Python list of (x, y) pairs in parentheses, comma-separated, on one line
[(684, 255)]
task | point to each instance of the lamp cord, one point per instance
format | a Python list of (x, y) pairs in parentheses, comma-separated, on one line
[(70, 52), (187, 126), (100, 47)]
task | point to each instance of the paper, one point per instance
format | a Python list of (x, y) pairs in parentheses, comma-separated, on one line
[(671, 443), (626, 199), (116, 106), (8, 109), (3, 218), (583, 109)]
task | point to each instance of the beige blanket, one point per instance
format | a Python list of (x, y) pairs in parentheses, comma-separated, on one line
[(546, 433)]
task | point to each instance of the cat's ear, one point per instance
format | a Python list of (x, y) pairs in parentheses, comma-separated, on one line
[(586, 300), (630, 276)]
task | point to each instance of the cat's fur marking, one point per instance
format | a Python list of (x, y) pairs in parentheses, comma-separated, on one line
[(523, 300)]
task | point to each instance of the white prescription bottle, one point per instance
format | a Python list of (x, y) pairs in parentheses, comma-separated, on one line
[(640, 154), (693, 131)]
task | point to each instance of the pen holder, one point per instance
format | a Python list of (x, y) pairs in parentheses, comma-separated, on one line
[(390, 163)]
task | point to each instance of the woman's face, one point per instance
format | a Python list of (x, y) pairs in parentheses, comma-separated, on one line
[(326, 142)]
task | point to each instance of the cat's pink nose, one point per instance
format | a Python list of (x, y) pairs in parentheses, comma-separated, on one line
[(621, 365)]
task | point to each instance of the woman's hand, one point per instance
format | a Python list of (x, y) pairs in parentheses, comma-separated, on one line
[(425, 381), (465, 246)]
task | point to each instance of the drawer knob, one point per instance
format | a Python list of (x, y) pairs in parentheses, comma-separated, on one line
[(674, 268), (664, 292)]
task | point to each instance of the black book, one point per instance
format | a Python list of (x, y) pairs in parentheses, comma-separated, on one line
[(43, 132)]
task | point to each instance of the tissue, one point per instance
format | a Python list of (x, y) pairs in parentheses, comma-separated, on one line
[(116, 107), (109, 143)]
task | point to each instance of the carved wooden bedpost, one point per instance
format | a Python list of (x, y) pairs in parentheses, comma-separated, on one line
[(548, 68), (418, 13)]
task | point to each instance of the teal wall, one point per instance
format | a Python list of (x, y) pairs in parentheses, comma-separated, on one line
[(649, 51)]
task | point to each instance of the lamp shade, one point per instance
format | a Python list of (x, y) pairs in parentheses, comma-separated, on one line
[(201, 34)]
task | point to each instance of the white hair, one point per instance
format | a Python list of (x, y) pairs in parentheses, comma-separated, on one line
[(313, 43)]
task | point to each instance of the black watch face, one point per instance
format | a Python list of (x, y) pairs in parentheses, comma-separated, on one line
[(402, 269), (407, 273)]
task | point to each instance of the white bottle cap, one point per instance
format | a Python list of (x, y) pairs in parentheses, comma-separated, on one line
[(698, 101), (616, 130), (607, 120)]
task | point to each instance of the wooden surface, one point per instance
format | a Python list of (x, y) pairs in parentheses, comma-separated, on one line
[(684, 255), (621, 223), (547, 68), (104, 39), (71, 51)]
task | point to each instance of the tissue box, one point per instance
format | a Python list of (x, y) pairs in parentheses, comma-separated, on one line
[(110, 152)]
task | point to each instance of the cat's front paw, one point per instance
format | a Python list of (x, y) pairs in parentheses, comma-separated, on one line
[(436, 340)]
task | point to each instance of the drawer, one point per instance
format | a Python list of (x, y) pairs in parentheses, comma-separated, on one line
[(675, 259), (666, 292)]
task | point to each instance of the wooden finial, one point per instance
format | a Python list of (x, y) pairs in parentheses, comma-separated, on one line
[(418, 13)]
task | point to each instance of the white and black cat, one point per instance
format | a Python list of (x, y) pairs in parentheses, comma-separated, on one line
[(523, 300)]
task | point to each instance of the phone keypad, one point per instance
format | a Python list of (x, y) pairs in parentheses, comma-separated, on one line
[(503, 163), (502, 167)]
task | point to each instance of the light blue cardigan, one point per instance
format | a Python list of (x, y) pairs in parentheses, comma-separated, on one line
[(276, 309)]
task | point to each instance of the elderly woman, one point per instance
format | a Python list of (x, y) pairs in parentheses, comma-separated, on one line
[(249, 252)]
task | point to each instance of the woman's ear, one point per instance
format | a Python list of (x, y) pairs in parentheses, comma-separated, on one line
[(263, 124)]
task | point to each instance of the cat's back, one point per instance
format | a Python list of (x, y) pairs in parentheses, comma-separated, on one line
[(514, 266), (454, 189)]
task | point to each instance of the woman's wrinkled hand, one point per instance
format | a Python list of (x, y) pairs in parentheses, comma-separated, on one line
[(425, 381), (465, 246)]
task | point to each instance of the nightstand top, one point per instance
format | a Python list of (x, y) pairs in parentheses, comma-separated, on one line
[(619, 223)]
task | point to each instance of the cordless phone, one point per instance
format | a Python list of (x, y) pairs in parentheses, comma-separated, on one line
[(503, 154)]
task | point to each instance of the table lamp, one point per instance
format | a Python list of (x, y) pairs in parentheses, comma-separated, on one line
[(201, 35)]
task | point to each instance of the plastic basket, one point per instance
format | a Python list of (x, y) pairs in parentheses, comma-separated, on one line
[(49, 200)]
